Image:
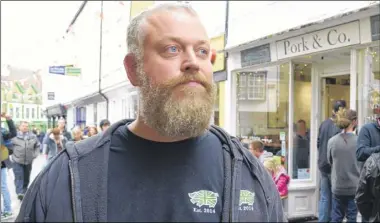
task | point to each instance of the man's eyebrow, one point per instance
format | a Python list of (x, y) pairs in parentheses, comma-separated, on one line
[(179, 40)]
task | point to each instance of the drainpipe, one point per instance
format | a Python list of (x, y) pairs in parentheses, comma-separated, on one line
[(76, 15), (100, 60)]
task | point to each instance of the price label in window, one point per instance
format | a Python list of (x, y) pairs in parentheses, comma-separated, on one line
[(282, 136)]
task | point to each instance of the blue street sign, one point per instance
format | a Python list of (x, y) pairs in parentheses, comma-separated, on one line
[(57, 70)]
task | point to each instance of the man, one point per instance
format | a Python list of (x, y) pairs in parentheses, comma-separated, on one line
[(368, 145), (104, 124), (62, 128), (169, 164), (6, 144), (257, 149), (327, 130), (301, 148), (26, 148)]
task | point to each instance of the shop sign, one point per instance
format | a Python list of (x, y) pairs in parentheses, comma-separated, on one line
[(220, 76), (72, 71), (51, 95), (375, 27), (326, 39), (256, 55), (57, 70)]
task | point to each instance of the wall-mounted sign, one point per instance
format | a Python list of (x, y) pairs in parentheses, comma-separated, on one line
[(256, 55), (72, 71), (375, 27), (217, 43), (57, 70), (220, 76), (51, 95), (326, 39)]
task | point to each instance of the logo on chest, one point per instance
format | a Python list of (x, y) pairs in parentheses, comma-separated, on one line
[(204, 200), (246, 200)]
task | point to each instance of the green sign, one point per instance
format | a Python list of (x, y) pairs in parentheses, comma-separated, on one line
[(71, 71)]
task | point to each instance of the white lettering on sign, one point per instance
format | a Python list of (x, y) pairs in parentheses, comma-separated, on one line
[(326, 39)]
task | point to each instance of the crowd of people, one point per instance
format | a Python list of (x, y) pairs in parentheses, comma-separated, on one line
[(20, 147)]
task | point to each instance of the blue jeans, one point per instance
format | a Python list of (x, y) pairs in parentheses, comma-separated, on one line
[(344, 206), (22, 176), (5, 191), (324, 208)]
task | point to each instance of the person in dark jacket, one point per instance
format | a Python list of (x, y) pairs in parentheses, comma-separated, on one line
[(368, 143), (5, 138), (368, 193), (327, 130), (369, 140), (169, 164)]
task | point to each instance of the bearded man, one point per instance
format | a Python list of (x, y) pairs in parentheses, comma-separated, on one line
[(169, 164)]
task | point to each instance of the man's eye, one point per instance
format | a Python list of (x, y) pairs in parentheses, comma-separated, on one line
[(172, 49), (203, 51)]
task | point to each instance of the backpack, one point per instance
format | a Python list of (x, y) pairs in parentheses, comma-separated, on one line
[(5, 145)]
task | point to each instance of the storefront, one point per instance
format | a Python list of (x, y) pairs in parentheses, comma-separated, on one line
[(282, 87)]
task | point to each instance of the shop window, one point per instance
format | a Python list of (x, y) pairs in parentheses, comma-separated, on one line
[(262, 100), (372, 105), (41, 114), (11, 112), (301, 117)]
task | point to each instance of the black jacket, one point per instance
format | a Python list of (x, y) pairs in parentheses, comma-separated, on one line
[(73, 186), (10, 134), (368, 141), (327, 130), (368, 193)]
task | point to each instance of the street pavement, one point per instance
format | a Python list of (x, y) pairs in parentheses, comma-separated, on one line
[(36, 168)]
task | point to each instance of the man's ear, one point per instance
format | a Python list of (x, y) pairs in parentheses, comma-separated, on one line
[(130, 65)]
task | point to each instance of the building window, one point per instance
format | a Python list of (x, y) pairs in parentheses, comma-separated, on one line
[(252, 85), (42, 114), (33, 114), (17, 112), (27, 113)]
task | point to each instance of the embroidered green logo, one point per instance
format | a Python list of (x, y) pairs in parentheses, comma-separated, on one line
[(204, 198), (246, 197)]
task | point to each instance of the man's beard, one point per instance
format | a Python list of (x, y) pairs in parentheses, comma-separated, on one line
[(187, 115)]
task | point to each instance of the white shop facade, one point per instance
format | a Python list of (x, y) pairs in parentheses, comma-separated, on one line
[(276, 83)]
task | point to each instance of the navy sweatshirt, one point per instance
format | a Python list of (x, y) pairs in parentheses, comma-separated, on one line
[(368, 141)]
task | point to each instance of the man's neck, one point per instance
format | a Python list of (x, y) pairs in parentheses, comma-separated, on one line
[(139, 128)]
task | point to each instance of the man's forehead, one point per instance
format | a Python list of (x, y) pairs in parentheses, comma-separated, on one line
[(166, 25)]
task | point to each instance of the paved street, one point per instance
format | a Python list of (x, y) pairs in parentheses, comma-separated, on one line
[(37, 166)]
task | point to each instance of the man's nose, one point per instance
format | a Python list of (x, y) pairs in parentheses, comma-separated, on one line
[(190, 64)]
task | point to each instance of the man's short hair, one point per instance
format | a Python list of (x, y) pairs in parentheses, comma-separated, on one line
[(104, 122), (258, 145), (339, 104)]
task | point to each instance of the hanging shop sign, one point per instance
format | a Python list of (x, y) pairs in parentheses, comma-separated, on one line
[(375, 27), (326, 39), (255, 55), (57, 70), (51, 96)]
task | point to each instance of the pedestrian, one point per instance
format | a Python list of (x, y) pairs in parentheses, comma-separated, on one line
[(26, 148), (92, 130), (345, 171), (6, 144), (56, 143), (104, 124), (368, 145), (279, 175), (326, 130), (257, 149), (169, 164)]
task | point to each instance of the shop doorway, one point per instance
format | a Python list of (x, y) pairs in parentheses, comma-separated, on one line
[(334, 88)]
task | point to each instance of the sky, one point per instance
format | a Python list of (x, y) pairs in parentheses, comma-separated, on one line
[(30, 28)]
